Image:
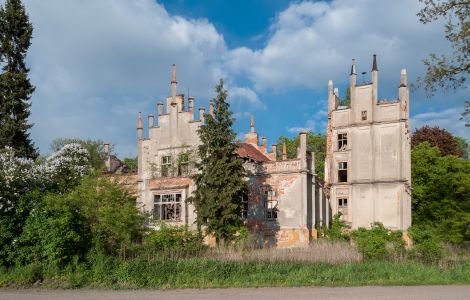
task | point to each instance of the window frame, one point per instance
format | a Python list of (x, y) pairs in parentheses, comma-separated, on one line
[(364, 115), (342, 171), (244, 207), (271, 205), (165, 167), (342, 141), (172, 200), (343, 207)]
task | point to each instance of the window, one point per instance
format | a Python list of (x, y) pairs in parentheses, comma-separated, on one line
[(342, 141), (270, 205), (183, 164), (166, 166), (343, 207), (343, 172), (364, 115), (167, 207), (244, 208)]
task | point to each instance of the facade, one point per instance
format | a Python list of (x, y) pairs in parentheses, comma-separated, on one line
[(367, 168), (282, 205)]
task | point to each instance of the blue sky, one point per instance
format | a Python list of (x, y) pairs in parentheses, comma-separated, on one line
[(96, 64)]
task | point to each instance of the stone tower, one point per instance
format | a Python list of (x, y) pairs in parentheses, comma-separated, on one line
[(367, 167)]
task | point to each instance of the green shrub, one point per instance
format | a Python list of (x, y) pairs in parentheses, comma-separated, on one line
[(378, 242), (427, 246), (337, 230), (173, 241)]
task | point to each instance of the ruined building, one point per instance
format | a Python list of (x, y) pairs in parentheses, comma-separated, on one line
[(282, 205), (367, 168)]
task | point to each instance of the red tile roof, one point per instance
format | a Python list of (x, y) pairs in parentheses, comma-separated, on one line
[(249, 151)]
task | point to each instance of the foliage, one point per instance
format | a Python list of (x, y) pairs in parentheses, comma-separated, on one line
[(95, 149), (427, 245), (378, 242), (220, 180), (56, 233), (448, 72), (23, 184), (441, 138), (15, 88), (316, 143), (464, 146), (131, 163), (441, 193), (347, 98), (336, 230), (169, 240)]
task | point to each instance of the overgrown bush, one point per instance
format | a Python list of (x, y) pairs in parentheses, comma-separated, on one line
[(378, 242), (427, 246), (173, 241), (337, 230)]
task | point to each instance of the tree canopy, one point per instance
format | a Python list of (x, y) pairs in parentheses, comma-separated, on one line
[(220, 180), (15, 87), (440, 138)]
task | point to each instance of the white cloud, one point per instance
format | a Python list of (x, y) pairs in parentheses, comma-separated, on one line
[(312, 42), (448, 119)]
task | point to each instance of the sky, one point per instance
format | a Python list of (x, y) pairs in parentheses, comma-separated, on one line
[(96, 64)]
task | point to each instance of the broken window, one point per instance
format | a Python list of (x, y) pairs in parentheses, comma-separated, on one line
[(270, 205), (183, 164), (343, 207), (166, 166), (167, 207), (244, 207), (342, 141), (364, 115), (343, 172)]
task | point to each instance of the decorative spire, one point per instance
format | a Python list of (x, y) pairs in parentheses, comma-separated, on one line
[(211, 109), (173, 74), (353, 67), (403, 78), (252, 124), (374, 63), (139, 121), (284, 151)]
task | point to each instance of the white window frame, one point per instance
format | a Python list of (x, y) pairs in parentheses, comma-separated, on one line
[(270, 205), (343, 166), (168, 207), (342, 141), (166, 166)]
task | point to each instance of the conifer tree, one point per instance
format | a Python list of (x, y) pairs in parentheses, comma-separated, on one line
[(15, 88), (220, 180)]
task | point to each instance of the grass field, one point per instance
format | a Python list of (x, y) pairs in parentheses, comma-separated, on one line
[(210, 273)]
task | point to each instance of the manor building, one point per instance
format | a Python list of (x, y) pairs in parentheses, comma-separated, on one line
[(367, 167)]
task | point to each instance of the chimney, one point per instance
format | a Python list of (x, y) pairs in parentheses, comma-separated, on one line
[(404, 97), (150, 121), (201, 114), (331, 98), (403, 78), (160, 108), (139, 127), (173, 84), (284, 151), (303, 141), (252, 124), (274, 151), (375, 79), (190, 103), (302, 150), (264, 145)]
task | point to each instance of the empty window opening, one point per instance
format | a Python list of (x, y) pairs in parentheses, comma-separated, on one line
[(244, 207), (167, 207), (364, 115), (166, 166), (270, 205), (342, 141), (343, 172), (343, 207), (183, 164)]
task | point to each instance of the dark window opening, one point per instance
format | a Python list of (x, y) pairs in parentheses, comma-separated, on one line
[(166, 166), (244, 207), (343, 207), (183, 164), (342, 141), (364, 115), (271, 207), (343, 172)]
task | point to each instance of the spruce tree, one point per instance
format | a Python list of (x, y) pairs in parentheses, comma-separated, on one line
[(220, 180), (15, 88)]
